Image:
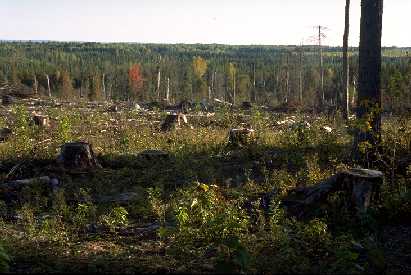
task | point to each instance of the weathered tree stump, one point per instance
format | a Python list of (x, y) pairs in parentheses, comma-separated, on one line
[(5, 133), (7, 100), (241, 137), (77, 155), (361, 186), (172, 121), (113, 109), (184, 106), (154, 155), (41, 120), (246, 105)]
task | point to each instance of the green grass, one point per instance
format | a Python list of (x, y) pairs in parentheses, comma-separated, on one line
[(203, 203)]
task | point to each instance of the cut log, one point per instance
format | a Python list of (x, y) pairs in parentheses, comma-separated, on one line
[(5, 133), (241, 137), (40, 120), (77, 155), (223, 102), (19, 183), (10, 191), (172, 121), (362, 187), (154, 155), (119, 198)]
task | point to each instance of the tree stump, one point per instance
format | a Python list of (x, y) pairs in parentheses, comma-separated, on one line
[(7, 100), (172, 121), (77, 155), (40, 120), (361, 186), (184, 106), (246, 105), (5, 133), (113, 109), (241, 137)]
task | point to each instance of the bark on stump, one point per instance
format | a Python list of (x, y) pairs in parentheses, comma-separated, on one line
[(78, 155), (241, 137), (5, 133), (42, 121), (362, 187), (113, 109), (173, 121)]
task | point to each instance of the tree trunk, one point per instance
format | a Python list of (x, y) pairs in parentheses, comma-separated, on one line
[(48, 85), (346, 67), (301, 77), (158, 84), (321, 67), (104, 85), (168, 91), (234, 88), (35, 85), (287, 81), (369, 86), (254, 99)]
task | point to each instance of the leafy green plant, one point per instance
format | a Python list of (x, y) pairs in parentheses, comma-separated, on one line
[(27, 219), (22, 130), (64, 129), (4, 260), (116, 218), (204, 217)]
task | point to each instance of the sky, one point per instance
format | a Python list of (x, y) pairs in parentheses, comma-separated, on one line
[(240, 22)]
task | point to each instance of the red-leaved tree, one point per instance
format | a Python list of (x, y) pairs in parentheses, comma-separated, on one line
[(135, 80)]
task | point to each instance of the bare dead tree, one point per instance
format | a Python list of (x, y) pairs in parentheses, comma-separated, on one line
[(300, 74), (320, 36), (346, 67), (158, 80), (35, 85), (168, 91), (103, 82), (48, 85), (287, 78)]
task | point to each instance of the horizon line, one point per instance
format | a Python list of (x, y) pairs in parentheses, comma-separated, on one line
[(181, 43)]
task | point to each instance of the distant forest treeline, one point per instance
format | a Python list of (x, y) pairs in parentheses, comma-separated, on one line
[(271, 75)]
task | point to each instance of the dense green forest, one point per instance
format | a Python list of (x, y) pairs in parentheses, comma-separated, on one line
[(270, 75)]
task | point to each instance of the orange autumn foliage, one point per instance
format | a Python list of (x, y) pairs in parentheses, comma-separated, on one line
[(135, 78)]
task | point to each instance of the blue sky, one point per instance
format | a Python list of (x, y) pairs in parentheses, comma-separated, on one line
[(273, 22)]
